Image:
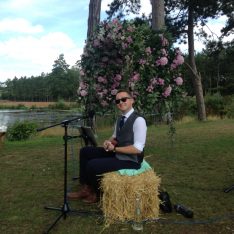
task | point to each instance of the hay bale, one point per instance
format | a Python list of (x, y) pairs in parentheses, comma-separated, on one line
[(118, 202)]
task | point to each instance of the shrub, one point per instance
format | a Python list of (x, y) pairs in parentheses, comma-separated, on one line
[(21, 131), (215, 104), (186, 107), (130, 55), (229, 100), (60, 105)]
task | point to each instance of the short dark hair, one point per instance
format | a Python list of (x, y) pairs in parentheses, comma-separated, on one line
[(125, 91)]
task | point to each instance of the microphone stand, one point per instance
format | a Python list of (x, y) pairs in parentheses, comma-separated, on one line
[(227, 190), (65, 209)]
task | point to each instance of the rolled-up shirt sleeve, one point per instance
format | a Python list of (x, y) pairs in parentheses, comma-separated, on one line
[(140, 130)]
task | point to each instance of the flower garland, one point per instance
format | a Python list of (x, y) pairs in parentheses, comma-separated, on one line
[(129, 55)]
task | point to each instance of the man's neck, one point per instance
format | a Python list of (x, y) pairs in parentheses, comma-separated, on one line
[(127, 112)]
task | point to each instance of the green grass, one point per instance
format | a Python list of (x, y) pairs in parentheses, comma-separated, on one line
[(194, 171)]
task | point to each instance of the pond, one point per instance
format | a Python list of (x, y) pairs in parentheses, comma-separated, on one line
[(43, 118)]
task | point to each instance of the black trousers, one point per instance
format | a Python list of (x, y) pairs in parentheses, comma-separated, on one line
[(94, 161)]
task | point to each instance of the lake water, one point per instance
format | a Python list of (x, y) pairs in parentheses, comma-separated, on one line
[(43, 118)]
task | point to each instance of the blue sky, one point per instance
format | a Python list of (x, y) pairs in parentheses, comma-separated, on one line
[(33, 33)]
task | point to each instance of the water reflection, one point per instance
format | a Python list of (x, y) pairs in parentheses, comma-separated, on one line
[(43, 118)]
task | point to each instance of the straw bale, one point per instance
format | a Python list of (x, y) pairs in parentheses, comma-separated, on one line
[(120, 193)]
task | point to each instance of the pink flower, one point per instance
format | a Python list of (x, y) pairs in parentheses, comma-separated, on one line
[(104, 103), (162, 61), (179, 59), (96, 43), (164, 52), (100, 94), (148, 50), (129, 39), (150, 89), (167, 91), (135, 77), (105, 91), (179, 81), (173, 66), (83, 93), (142, 61), (100, 79), (124, 45), (114, 91), (118, 77), (160, 81), (83, 85), (115, 21)]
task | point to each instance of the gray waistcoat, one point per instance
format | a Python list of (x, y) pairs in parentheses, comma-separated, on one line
[(125, 137)]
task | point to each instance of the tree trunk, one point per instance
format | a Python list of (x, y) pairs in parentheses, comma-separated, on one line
[(158, 15), (94, 16), (192, 65)]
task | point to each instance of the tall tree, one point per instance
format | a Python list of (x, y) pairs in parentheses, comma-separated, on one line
[(158, 14), (227, 9), (94, 16), (181, 18)]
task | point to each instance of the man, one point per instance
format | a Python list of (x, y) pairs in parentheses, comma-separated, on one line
[(124, 150)]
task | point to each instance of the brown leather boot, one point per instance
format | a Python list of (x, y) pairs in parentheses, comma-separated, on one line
[(92, 198), (83, 193)]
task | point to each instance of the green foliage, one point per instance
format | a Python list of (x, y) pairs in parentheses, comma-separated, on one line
[(229, 106), (21, 131), (60, 105), (62, 83), (130, 55), (215, 104), (186, 107), (13, 107)]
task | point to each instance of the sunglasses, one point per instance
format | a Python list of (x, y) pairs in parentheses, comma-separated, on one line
[(124, 99)]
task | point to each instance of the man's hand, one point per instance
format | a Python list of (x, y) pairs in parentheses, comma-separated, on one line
[(108, 146)]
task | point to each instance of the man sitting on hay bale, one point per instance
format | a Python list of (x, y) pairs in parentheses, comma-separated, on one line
[(124, 150)]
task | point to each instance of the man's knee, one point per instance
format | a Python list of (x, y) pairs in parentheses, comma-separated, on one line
[(86, 150)]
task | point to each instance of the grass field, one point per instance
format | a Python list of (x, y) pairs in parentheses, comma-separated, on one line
[(194, 171), (9, 104), (27, 104)]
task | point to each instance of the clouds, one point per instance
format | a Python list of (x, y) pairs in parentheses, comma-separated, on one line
[(34, 55), (19, 25), (33, 33)]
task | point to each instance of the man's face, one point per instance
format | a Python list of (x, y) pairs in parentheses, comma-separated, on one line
[(124, 102)]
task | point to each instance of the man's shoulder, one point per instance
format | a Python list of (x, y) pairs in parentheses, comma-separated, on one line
[(138, 115)]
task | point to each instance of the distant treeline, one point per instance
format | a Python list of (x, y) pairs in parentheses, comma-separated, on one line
[(61, 83)]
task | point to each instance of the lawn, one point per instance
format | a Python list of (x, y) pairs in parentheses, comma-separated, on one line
[(194, 171)]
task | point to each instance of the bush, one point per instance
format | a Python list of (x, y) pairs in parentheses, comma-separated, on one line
[(186, 107), (21, 131), (215, 104), (229, 100), (130, 55), (60, 105)]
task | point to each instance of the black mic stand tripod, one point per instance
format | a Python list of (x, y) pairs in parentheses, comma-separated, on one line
[(65, 208), (227, 190)]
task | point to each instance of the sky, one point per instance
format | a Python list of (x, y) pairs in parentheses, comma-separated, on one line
[(33, 33)]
